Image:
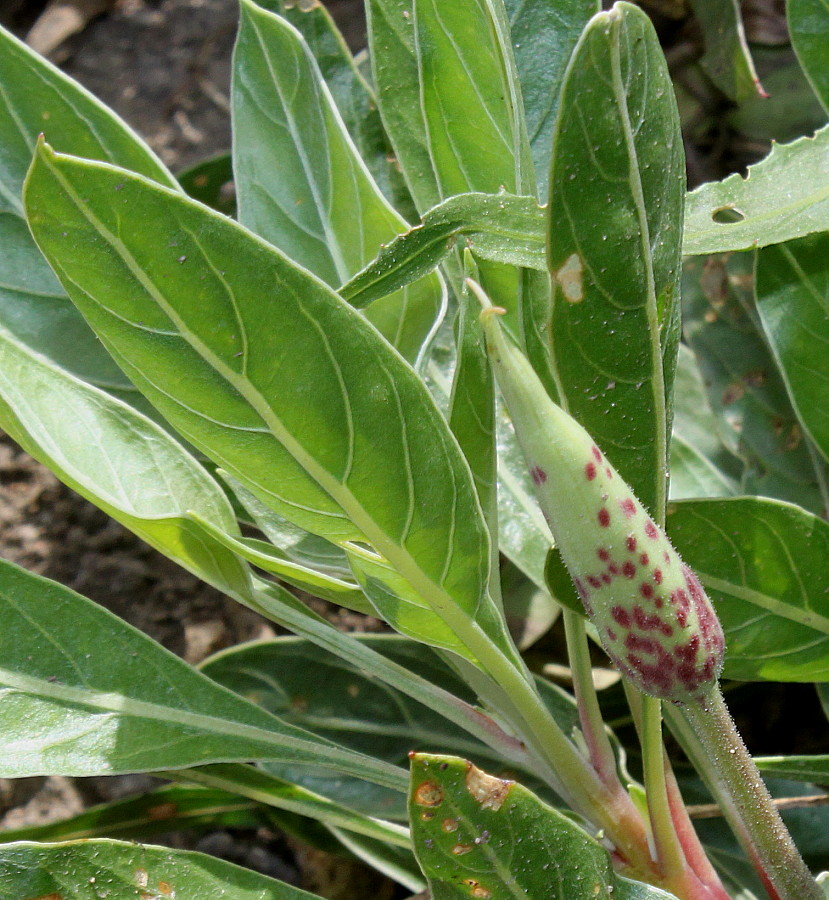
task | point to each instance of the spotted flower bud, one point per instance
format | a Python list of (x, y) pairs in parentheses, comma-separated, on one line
[(652, 614)]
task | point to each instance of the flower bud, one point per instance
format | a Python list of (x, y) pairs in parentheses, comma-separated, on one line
[(651, 612)]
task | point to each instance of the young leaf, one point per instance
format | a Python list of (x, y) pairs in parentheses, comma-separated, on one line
[(797, 768), (80, 869), (543, 37), (85, 693), (604, 342), (36, 97), (300, 181), (793, 302), (784, 196), (209, 322), (807, 27), (763, 562), (745, 389), (465, 825), (498, 227)]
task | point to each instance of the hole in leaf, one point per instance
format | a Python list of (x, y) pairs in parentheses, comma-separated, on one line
[(727, 215)]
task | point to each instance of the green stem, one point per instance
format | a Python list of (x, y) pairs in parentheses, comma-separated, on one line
[(592, 724), (668, 849), (770, 846)]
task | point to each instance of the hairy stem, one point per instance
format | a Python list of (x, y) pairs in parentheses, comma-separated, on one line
[(765, 836)]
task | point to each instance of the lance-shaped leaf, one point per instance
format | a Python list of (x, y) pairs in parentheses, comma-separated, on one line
[(807, 27), (797, 768), (121, 461), (315, 690), (784, 196), (80, 869), (763, 564), (465, 824), (498, 227), (354, 96), (391, 35), (543, 37), (745, 388), (793, 302), (210, 323), (83, 693), (471, 98), (267, 789), (36, 97), (605, 341), (169, 808), (300, 181)]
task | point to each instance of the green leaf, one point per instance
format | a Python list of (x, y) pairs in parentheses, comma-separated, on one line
[(465, 823), (793, 302), (315, 690), (701, 466), (763, 564), (211, 182), (266, 556), (807, 28), (169, 808), (498, 227), (543, 37), (745, 389), (605, 341), (796, 768), (300, 181), (267, 789), (210, 322), (784, 196), (78, 870), (391, 36), (727, 59), (120, 460), (352, 94), (36, 97), (470, 98), (87, 694)]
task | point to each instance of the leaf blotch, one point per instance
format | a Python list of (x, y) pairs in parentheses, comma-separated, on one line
[(488, 790), (428, 793), (569, 278)]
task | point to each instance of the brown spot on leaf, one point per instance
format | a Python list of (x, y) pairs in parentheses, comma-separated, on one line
[(166, 889), (569, 278), (460, 849), (733, 393), (428, 793), (476, 889), (488, 790), (449, 825), (794, 438)]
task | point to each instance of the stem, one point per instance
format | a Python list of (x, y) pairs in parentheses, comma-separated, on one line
[(668, 850), (592, 724), (770, 846)]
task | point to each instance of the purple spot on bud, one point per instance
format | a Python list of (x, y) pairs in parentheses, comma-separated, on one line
[(606, 578), (657, 576), (594, 581), (659, 603), (667, 557), (597, 454), (590, 471), (628, 507), (650, 530), (620, 616), (539, 476), (608, 472), (604, 517), (611, 634), (628, 570), (630, 543), (646, 590), (613, 569), (603, 554), (644, 559)]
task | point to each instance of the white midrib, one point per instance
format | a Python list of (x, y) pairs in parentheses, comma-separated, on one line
[(118, 703), (453, 615)]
